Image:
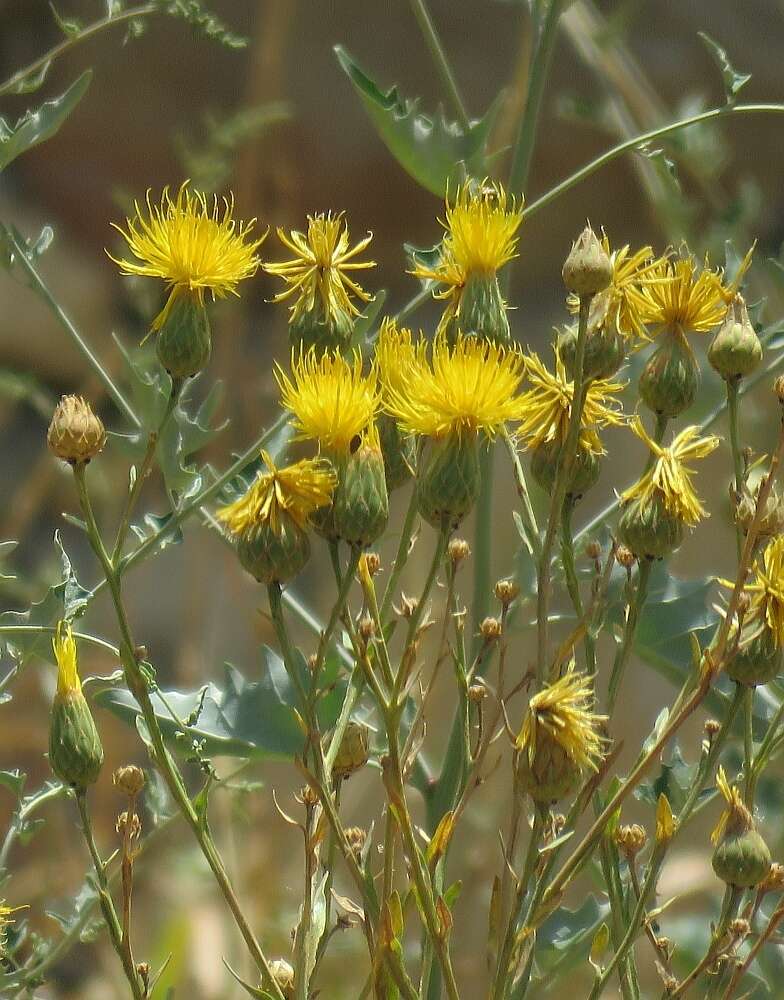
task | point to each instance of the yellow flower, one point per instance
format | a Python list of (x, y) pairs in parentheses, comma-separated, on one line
[(733, 810), (564, 710), (465, 388), (768, 590), (191, 246), (64, 646), (668, 476), (545, 409), (332, 401), (621, 303), (321, 268), (680, 293), (481, 226), (299, 489), (396, 351)]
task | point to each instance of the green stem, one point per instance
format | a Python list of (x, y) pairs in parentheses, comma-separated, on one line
[(401, 557), (573, 584), (732, 897), (440, 60), (748, 746), (483, 539), (733, 399), (630, 630), (521, 484)]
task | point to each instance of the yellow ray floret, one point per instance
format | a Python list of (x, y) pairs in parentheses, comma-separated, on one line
[(545, 409), (668, 476), (680, 293), (734, 809), (564, 709), (332, 401), (192, 246), (298, 489), (396, 351), (767, 590), (469, 387), (321, 267), (64, 646), (621, 304), (481, 226)]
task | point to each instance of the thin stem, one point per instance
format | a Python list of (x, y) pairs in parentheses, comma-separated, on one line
[(483, 537), (521, 484), (737, 459), (629, 632), (573, 584), (775, 919), (440, 60), (401, 557), (748, 746), (19, 819), (732, 897)]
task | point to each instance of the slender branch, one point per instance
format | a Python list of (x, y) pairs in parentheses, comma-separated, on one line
[(624, 650), (445, 71)]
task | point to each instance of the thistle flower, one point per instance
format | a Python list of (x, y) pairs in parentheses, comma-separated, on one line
[(194, 248), (319, 275), (767, 593), (296, 490), (741, 857), (481, 226), (668, 478), (395, 352), (330, 398), (545, 408), (458, 390), (559, 738)]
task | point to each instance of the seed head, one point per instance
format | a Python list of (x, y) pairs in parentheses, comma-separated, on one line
[(129, 779), (506, 591), (490, 629), (75, 434), (458, 550)]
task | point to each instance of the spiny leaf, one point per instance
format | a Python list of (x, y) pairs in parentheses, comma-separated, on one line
[(430, 148), (37, 126), (733, 80)]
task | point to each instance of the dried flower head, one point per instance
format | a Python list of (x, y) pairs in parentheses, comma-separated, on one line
[(458, 550), (490, 629), (506, 591), (330, 398), (320, 272), (545, 409), (129, 780), (564, 710), (630, 839), (462, 389), (668, 476), (298, 489), (75, 433), (192, 246)]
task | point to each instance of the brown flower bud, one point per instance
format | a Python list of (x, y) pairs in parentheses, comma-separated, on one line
[(408, 606), (477, 692), (712, 727), (356, 838), (593, 550), (630, 839), (75, 434), (129, 779), (307, 796), (490, 629), (367, 628), (778, 388), (372, 561), (625, 557), (588, 269), (458, 550), (739, 928), (506, 591), (128, 824), (283, 974)]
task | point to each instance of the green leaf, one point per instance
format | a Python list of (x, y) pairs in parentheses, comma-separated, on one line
[(33, 81), (733, 80), (12, 243), (564, 939), (673, 780), (431, 149), (242, 718), (69, 27), (38, 126), (13, 780)]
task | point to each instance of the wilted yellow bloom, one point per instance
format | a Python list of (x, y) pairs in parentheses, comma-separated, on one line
[(299, 489), (481, 226), (668, 476), (332, 401), (564, 710), (768, 590), (680, 293), (191, 246), (64, 646), (545, 409), (396, 351), (320, 271), (665, 821), (621, 304), (734, 808), (469, 387)]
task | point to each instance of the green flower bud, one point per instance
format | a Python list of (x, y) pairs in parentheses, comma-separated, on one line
[(184, 339), (649, 530), (75, 751), (482, 311), (544, 465), (604, 353), (448, 484), (552, 774), (671, 377), (399, 451), (588, 269), (742, 858), (353, 751), (758, 659), (274, 554), (736, 349), (360, 505)]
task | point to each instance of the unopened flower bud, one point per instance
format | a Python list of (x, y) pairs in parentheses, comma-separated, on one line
[(625, 557), (283, 974), (307, 796), (477, 693), (506, 591), (712, 727), (588, 269), (736, 349), (129, 779), (372, 562), (593, 550), (739, 928), (75, 434), (630, 839), (353, 751), (490, 629), (367, 628), (356, 838), (458, 550)]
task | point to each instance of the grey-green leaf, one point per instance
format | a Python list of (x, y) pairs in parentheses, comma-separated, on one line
[(733, 80)]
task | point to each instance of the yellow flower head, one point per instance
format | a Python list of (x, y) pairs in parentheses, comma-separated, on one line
[(564, 709), (332, 401), (298, 489), (545, 409), (768, 590), (192, 246), (621, 304), (5, 923), (680, 293), (735, 814), (668, 476), (465, 388), (396, 351), (321, 269), (64, 646)]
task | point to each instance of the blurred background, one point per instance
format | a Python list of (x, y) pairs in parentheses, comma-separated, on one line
[(279, 124)]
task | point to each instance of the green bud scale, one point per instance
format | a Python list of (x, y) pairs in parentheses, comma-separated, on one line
[(736, 349), (75, 751), (323, 330), (482, 310), (274, 556), (671, 377), (544, 465), (399, 451), (649, 530), (604, 352), (742, 858), (448, 484), (758, 660), (184, 341), (552, 774)]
